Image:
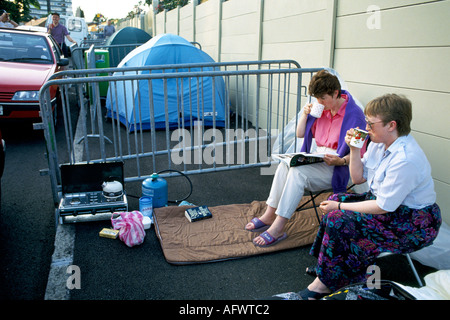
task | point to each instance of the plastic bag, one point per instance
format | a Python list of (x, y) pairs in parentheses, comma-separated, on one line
[(130, 226), (437, 287), (285, 141)]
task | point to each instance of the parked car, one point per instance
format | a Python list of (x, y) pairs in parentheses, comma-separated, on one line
[(27, 60), (2, 164), (32, 28)]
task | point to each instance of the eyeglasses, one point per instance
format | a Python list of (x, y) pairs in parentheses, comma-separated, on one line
[(372, 123)]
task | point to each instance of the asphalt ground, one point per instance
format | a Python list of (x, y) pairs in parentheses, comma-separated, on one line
[(27, 229)]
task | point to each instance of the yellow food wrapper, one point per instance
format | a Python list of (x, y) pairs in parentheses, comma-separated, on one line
[(109, 233)]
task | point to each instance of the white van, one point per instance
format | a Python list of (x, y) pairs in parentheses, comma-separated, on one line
[(76, 26)]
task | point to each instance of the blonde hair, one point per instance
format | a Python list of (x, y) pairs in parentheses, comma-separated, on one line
[(392, 107)]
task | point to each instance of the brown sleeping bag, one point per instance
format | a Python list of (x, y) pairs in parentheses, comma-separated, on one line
[(223, 236)]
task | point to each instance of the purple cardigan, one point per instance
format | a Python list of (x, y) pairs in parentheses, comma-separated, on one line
[(354, 117)]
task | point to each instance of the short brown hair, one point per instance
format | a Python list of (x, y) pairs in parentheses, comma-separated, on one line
[(322, 83), (392, 107)]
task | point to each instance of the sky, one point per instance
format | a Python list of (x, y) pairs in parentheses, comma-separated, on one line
[(109, 8)]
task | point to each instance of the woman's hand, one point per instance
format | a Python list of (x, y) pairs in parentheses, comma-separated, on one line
[(328, 206), (307, 108), (367, 206), (301, 126), (349, 136), (333, 160)]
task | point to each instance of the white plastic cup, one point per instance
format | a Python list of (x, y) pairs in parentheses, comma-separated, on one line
[(317, 109), (358, 138), (146, 207)]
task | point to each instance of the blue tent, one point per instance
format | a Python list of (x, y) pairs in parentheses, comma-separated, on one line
[(125, 36), (191, 98)]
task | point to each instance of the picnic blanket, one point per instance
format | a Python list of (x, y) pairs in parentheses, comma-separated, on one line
[(223, 236)]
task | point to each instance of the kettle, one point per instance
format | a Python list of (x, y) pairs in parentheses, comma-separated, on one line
[(112, 190)]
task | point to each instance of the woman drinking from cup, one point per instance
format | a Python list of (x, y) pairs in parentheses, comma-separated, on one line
[(340, 113), (398, 214)]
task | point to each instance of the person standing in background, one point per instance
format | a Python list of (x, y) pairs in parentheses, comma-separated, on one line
[(59, 32), (5, 20), (108, 30)]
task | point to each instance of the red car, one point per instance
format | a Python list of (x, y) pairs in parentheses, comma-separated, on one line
[(2, 163), (27, 60)]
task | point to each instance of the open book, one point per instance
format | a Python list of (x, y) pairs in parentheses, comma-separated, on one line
[(300, 159)]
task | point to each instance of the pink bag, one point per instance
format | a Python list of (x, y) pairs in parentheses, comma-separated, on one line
[(130, 226)]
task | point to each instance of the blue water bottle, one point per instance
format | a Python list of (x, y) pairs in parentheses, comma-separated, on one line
[(156, 188)]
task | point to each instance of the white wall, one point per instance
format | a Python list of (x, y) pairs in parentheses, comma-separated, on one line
[(405, 49), (241, 26), (297, 30)]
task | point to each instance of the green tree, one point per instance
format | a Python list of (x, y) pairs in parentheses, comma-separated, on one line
[(137, 10), (168, 4), (79, 12), (19, 10), (99, 18)]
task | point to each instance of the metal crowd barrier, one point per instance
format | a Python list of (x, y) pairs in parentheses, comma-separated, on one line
[(89, 42), (209, 66), (213, 66), (260, 98), (116, 53)]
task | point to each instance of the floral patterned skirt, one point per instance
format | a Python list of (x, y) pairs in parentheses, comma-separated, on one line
[(348, 242)]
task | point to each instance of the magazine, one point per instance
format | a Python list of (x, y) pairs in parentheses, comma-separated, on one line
[(300, 159)]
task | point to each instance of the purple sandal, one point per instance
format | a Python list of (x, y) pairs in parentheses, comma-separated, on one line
[(259, 225), (269, 240)]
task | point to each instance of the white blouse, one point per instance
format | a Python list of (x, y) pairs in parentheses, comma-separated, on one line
[(400, 175)]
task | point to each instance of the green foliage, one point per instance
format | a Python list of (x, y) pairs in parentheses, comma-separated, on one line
[(19, 10), (170, 4), (99, 18)]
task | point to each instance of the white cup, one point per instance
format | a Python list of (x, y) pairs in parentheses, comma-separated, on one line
[(358, 138), (317, 109)]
